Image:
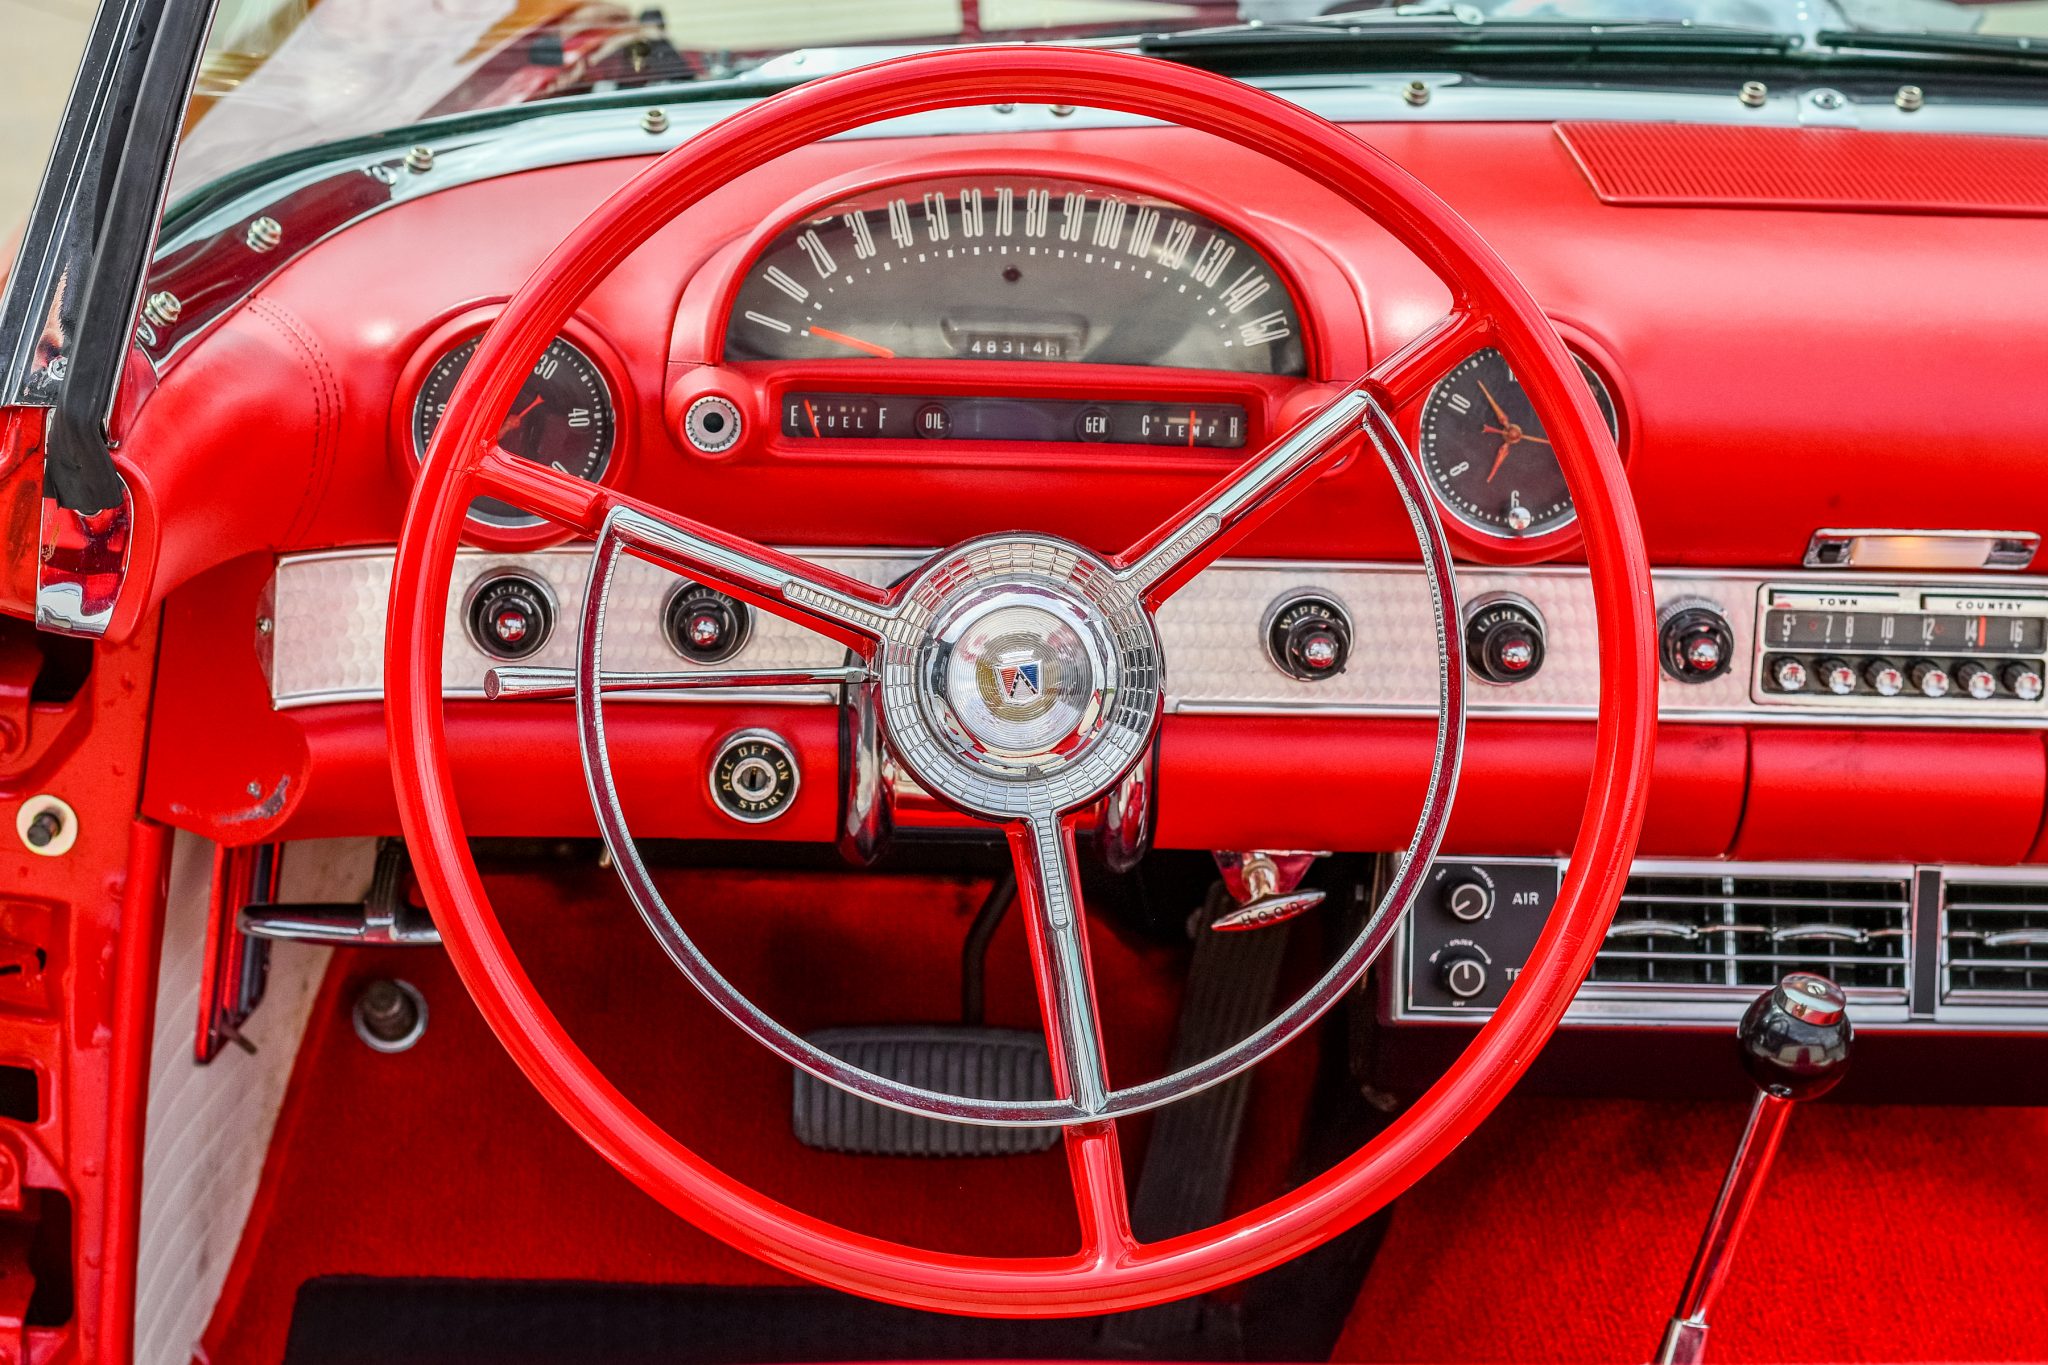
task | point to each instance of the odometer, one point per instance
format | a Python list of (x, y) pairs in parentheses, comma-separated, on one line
[(562, 417), (1016, 269)]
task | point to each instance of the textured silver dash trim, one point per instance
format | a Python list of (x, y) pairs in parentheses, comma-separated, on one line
[(328, 641)]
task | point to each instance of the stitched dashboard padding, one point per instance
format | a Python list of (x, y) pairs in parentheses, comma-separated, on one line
[(1841, 169)]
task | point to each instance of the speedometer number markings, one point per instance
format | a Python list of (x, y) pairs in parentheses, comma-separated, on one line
[(1017, 269)]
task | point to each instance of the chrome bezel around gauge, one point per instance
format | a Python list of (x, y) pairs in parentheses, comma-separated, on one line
[(451, 333)]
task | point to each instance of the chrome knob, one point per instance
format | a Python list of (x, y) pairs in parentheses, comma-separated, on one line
[(1884, 677), (1695, 643), (1977, 680), (1837, 677), (1308, 637), (1789, 675), (1504, 640), (2022, 680), (1930, 678)]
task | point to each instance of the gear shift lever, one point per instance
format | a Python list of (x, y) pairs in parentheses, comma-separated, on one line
[(1795, 1046)]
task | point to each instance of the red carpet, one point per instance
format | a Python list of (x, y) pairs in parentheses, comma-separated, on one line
[(1563, 1230), (1560, 1232), (442, 1161)]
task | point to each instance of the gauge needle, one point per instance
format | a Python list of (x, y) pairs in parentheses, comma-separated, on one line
[(814, 419), (868, 346), (1499, 460), (516, 418), (1517, 434), (1191, 428), (1494, 403)]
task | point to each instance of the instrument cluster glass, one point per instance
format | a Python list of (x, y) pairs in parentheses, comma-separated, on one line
[(1016, 268)]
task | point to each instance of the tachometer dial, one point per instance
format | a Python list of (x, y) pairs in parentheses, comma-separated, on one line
[(1487, 453), (1018, 269), (562, 417)]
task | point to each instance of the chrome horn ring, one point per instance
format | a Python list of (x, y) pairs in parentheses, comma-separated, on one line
[(959, 706)]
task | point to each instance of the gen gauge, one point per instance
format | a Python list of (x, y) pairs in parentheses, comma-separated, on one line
[(1016, 269), (1487, 454)]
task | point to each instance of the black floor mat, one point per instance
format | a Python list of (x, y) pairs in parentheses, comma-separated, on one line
[(355, 1321)]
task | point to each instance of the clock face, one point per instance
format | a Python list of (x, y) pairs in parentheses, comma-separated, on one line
[(1487, 454)]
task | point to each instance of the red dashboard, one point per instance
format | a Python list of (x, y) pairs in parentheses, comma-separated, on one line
[(1757, 395)]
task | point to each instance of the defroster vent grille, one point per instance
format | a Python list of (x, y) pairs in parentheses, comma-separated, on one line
[(1710, 930)]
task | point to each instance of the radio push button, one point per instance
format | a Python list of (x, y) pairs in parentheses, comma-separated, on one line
[(2022, 680), (1930, 679), (1977, 681)]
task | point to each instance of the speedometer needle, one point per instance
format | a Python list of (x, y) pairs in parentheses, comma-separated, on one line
[(882, 352)]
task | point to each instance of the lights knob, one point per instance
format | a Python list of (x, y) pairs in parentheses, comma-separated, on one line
[(1884, 678), (2022, 680), (1504, 640), (1463, 975), (1929, 679), (1978, 682), (510, 616), (704, 625), (1309, 637), (1695, 644), (1836, 676)]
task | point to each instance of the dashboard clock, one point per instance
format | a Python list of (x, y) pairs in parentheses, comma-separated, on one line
[(1486, 452), (563, 416)]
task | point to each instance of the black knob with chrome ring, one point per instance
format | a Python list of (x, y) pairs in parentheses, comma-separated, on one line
[(1504, 639), (510, 616), (1695, 644), (1308, 637), (704, 625)]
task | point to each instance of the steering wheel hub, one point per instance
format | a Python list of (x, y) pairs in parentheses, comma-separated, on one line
[(1027, 679), (1022, 677)]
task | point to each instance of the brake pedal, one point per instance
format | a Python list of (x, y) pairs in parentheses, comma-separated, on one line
[(981, 1063)]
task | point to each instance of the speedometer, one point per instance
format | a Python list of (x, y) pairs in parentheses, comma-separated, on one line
[(1017, 269)]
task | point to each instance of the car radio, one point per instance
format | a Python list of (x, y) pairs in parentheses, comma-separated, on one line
[(1890, 646)]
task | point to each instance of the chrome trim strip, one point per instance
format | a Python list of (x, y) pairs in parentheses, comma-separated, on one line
[(327, 645)]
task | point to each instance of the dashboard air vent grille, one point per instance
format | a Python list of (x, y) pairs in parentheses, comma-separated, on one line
[(1705, 929), (1997, 937)]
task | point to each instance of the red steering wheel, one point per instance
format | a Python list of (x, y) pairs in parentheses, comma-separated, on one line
[(1089, 618)]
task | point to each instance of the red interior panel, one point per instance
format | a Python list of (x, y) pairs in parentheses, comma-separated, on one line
[(1890, 796), (1352, 784)]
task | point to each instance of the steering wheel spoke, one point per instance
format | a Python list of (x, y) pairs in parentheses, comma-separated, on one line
[(1049, 890), (809, 594)]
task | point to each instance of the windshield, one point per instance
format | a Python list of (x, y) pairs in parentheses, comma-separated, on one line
[(284, 74)]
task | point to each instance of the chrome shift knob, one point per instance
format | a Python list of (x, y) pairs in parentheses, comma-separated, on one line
[(1795, 1045), (1795, 1038)]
